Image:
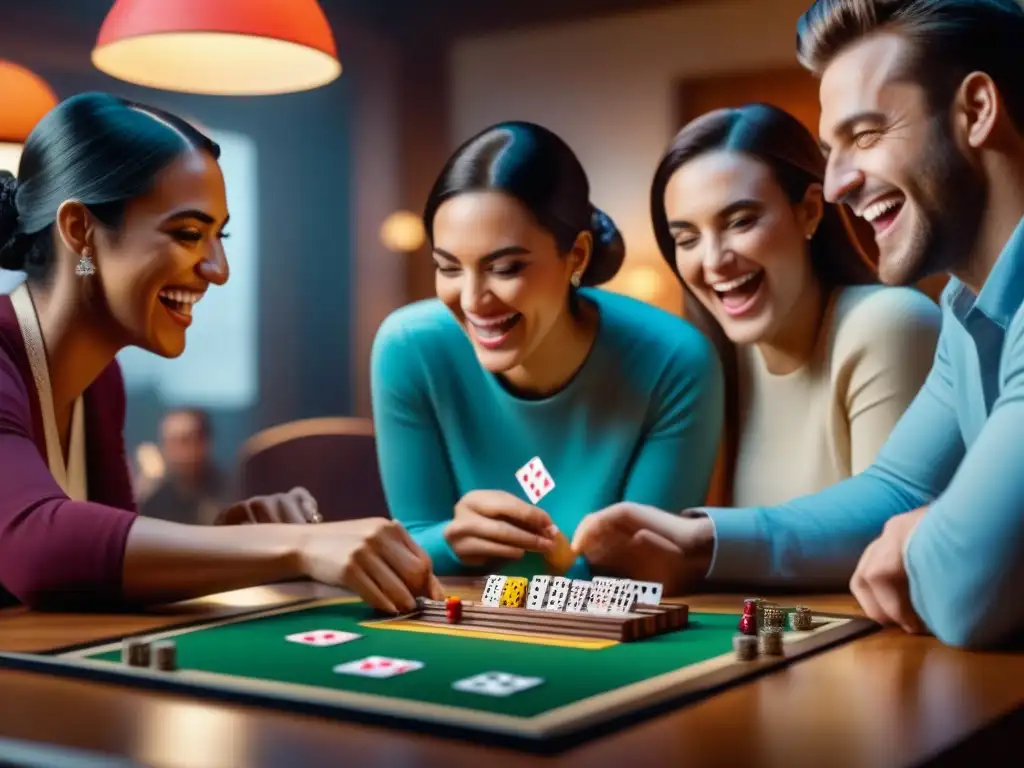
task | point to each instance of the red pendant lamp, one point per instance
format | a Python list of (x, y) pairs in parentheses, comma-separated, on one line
[(218, 47), (26, 98)]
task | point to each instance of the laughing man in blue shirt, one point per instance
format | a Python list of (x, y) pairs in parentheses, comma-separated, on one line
[(923, 124)]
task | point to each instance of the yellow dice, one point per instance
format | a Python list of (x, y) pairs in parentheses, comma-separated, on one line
[(514, 593)]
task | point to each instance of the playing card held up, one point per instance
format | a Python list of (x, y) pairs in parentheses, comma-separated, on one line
[(535, 479)]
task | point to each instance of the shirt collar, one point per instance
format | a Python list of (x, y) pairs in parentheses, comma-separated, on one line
[(1003, 292)]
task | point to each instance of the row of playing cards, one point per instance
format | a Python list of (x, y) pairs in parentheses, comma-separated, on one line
[(602, 594)]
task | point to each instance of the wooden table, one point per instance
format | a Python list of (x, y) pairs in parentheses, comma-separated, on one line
[(884, 700)]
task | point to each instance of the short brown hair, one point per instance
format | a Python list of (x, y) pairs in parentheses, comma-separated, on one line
[(951, 39)]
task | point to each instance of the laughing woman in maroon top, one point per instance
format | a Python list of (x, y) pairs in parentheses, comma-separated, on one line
[(117, 217)]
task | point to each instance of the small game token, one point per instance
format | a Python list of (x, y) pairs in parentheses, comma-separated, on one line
[(748, 622), (136, 652), (769, 641), (453, 610), (165, 656), (745, 647), (800, 620), (772, 615)]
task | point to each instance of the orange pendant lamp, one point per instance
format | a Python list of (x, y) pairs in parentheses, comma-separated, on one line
[(26, 98), (218, 47)]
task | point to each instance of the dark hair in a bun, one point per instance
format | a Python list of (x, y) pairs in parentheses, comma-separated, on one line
[(538, 168), (12, 245), (96, 148)]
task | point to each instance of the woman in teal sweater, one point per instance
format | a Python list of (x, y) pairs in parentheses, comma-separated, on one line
[(520, 366)]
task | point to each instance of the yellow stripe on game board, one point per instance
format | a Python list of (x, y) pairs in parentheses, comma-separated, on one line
[(556, 640)]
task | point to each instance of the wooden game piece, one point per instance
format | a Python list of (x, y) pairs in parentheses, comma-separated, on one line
[(453, 609), (623, 627), (136, 652), (165, 656)]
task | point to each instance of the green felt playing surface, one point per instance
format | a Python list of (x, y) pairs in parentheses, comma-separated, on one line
[(257, 648)]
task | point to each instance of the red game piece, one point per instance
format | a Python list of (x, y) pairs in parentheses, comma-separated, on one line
[(748, 624), (453, 610)]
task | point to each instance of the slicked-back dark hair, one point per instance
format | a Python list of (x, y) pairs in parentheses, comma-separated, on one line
[(951, 39), (96, 148), (536, 167)]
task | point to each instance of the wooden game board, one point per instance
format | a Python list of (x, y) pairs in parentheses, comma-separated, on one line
[(585, 693)]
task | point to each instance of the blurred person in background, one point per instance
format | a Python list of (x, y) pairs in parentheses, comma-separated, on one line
[(191, 488)]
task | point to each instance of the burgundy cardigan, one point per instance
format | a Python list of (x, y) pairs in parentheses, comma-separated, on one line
[(55, 552)]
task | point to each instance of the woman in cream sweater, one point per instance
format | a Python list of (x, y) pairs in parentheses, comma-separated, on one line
[(820, 360)]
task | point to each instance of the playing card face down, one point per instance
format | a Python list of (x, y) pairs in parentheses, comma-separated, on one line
[(535, 480), (322, 637), (496, 684), (378, 666)]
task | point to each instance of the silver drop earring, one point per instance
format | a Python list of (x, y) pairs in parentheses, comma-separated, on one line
[(85, 267), (576, 279)]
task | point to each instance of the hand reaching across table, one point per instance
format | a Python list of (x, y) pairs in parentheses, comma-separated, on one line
[(296, 506), (647, 544)]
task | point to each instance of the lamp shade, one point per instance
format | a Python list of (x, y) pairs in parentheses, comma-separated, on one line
[(218, 47), (26, 98)]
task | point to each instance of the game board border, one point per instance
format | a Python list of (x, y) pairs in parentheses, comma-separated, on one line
[(551, 731)]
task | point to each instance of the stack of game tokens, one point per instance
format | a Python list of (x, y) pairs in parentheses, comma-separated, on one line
[(772, 616), (769, 641), (800, 619), (745, 647), (165, 656), (135, 652)]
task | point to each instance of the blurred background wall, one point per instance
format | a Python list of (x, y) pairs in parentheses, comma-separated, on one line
[(313, 177)]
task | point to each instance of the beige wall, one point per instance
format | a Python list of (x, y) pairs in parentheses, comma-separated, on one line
[(608, 87)]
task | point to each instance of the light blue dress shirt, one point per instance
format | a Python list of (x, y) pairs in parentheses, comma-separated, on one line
[(959, 448)]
